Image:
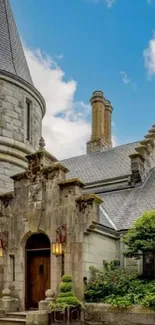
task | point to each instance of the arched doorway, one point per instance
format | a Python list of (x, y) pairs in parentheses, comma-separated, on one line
[(37, 269)]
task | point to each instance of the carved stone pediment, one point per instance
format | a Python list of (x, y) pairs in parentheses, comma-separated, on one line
[(35, 193)]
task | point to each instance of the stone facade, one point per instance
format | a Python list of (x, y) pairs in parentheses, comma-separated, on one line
[(40, 198), (43, 199), (13, 127)]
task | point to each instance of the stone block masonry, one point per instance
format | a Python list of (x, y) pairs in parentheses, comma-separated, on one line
[(99, 314), (13, 119), (14, 145)]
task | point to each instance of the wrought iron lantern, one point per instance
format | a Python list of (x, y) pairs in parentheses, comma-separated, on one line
[(58, 245), (57, 249)]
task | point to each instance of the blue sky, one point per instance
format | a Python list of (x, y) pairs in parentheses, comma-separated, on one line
[(99, 47)]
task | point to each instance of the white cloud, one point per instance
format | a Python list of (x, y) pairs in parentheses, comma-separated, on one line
[(149, 57), (114, 141), (59, 56), (109, 3), (65, 126), (128, 81), (125, 77)]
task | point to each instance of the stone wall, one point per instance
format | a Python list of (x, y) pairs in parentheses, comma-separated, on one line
[(98, 314), (6, 171), (13, 143), (12, 110), (98, 248)]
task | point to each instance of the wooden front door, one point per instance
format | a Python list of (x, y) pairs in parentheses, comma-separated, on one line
[(37, 274)]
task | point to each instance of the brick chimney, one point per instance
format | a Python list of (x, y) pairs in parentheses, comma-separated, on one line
[(101, 123)]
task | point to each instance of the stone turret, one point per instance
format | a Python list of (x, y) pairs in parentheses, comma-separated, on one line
[(101, 123), (21, 105)]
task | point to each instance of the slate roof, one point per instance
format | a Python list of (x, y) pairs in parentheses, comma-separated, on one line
[(103, 165), (12, 58), (124, 207)]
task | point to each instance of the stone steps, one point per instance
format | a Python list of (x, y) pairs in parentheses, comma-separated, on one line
[(20, 314), (12, 321), (17, 318)]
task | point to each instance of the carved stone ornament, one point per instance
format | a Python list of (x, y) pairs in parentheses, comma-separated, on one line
[(35, 193)]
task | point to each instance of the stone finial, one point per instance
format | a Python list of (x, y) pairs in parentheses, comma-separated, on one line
[(49, 294), (6, 293), (41, 144)]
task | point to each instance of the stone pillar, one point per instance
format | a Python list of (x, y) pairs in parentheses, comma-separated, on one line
[(50, 297), (8, 303), (107, 122)]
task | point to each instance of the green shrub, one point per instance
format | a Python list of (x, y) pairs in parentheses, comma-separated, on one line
[(64, 286), (149, 300), (66, 297), (105, 283), (71, 300), (65, 294), (119, 301), (67, 278), (118, 288)]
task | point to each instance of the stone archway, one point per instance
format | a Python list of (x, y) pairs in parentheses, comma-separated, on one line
[(37, 269)]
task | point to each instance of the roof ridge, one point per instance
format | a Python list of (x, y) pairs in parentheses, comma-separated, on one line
[(99, 152)]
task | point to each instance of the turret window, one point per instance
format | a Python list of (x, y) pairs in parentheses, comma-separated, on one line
[(28, 119)]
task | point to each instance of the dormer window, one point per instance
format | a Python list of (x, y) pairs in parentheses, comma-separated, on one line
[(28, 119)]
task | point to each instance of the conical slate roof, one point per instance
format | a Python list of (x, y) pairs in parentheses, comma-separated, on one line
[(12, 58)]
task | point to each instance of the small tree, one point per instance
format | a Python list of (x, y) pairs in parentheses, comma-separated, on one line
[(66, 297), (141, 237)]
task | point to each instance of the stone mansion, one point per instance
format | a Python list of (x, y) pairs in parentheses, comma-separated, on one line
[(61, 217)]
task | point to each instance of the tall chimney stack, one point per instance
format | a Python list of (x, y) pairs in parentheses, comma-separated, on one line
[(101, 123), (107, 122)]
